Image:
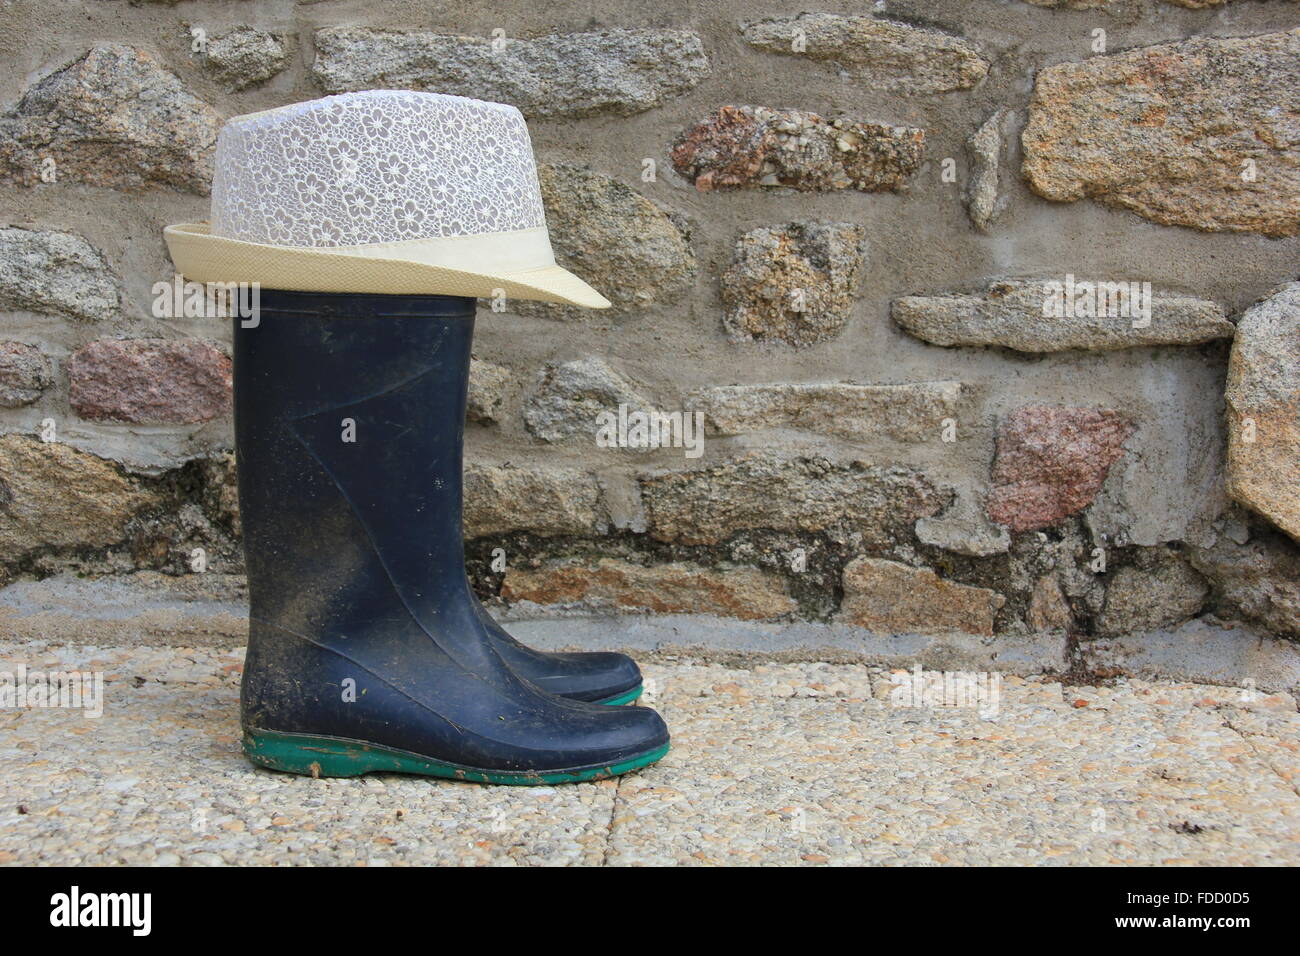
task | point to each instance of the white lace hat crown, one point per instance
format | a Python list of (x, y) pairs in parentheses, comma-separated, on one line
[(388, 190)]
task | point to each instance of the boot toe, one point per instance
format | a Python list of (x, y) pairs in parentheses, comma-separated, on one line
[(631, 732), (598, 676), (590, 676)]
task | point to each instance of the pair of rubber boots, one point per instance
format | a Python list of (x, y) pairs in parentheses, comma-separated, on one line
[(367, 649)]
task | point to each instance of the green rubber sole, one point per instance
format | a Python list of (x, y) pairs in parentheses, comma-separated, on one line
[(318, 756), (624, 698)]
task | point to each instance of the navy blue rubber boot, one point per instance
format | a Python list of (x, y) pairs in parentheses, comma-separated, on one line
[(367, 649)]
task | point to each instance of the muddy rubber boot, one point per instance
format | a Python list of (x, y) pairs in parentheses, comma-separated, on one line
[(367, 650)]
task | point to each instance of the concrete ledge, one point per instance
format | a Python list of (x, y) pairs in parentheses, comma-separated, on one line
[(1204, 652), (209, 610), (144, 609), (726, 640)]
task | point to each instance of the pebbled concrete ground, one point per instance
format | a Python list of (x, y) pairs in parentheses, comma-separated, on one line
[(777, 764)]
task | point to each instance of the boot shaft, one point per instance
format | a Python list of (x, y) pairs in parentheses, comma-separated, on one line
[(350, 410)]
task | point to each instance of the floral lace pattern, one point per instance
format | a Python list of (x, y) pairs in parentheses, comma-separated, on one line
[(378, 166)]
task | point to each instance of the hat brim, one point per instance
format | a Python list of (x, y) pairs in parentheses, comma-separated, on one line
[(202, 257)]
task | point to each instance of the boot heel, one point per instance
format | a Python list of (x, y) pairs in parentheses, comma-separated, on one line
[(309, 755)]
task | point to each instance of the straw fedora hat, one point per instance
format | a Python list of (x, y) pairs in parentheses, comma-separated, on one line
[(383, 191)]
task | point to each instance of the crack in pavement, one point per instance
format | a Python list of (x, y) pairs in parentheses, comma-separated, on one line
[(609, 825), (1246, 736)]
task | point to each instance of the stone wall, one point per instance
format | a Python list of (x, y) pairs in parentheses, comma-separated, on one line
[(831, 234)]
